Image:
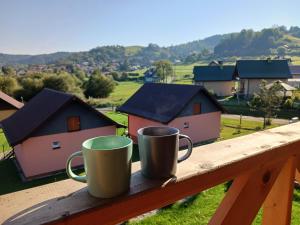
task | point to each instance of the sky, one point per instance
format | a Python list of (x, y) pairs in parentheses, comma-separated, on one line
[(46, 26)]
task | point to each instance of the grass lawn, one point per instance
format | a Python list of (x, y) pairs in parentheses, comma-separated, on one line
[(121, 93), (10, 181), (199, 209), (4, 146)]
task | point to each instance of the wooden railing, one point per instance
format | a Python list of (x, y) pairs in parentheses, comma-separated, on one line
[(263, 166)]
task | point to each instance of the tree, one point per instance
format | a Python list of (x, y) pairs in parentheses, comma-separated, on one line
[(79, 73), (267, 101), (281, 51), (8, 84), (124, 66), (99, 86), (61, 82), (8, 70), (30, 86), (163, 69)]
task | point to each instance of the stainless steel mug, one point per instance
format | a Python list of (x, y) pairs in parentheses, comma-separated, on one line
[(158, 148), (107, 164)]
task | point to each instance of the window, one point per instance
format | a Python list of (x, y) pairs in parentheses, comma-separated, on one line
[(186, 125), (197, 108), (73, 123), (55, 145)]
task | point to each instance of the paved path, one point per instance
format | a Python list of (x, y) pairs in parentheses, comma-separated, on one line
[(260, 119)]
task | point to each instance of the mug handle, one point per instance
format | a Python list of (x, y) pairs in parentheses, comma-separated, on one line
[(69, 168), (190, 148)]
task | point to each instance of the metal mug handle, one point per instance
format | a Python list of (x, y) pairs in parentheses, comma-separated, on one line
[(69, 168), (190, 148)]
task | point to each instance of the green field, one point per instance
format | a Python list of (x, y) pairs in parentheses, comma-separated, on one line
[(183, 74), (4, 146), (121, 93), (199, 209)]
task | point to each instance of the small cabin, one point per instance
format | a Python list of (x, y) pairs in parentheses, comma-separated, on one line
[(190, 108), (8, 105), (49, 128)]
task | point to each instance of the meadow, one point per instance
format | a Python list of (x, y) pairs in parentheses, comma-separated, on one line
[(183, 74)]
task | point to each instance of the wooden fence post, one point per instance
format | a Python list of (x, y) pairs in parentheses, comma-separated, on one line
[(246, 195), (278, 205)]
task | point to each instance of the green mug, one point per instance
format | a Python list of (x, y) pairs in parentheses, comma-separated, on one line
[(107, 164)]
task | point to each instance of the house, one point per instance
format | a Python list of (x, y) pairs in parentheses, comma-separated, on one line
[(285, 89), (215, 63), (251, 72), (295, 71), (295, 80), (8, 105), (216, 78), (190, 108), (150, 76), (49, 128)]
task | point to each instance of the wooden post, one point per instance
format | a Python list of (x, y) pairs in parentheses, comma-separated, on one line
[(278, 205), (245, 197)]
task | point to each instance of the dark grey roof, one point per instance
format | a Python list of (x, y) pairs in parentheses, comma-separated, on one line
[(163, 102), (213, 73), (263, 69), (36, 112), (295, 70), (150, 73)]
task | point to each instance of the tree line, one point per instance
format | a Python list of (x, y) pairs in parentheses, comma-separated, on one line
[(26, 86), (276, 40)]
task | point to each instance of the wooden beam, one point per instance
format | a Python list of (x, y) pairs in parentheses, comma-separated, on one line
[(246, 195), (297, 174), (278, 205)]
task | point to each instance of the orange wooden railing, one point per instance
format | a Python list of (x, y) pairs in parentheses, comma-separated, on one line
[(263, 166)]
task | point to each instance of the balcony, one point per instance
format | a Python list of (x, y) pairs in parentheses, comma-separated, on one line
[(263, 166)]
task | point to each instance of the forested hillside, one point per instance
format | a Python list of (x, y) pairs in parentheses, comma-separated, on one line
[(271, 41), (275, 41)]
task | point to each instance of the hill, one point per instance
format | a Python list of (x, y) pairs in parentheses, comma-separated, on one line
[(271, 41), (8, 59), (108, 54)]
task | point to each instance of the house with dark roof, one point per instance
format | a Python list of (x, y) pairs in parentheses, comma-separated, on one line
[(8, 105), (190, 108), (251, 72), (295, 80), (295, 71), (50, 127), (150, 76), (216, 78)]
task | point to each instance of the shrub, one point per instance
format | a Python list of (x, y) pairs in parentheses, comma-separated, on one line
[(288, 104), (30, 86), (133, 74), (8, 84), (99, 86)]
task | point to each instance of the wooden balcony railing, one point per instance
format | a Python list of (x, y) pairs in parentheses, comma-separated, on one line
[(263, 166)]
